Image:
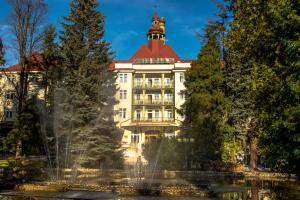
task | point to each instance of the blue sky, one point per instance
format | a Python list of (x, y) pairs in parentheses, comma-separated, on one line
[(127, 22)]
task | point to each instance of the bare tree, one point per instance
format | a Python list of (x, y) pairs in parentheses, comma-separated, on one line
[(25, 21)]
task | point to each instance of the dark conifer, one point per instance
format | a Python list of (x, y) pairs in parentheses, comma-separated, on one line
[(85, 95), (206, 106)]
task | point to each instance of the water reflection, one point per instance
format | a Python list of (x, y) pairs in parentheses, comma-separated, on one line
[(265, 190)]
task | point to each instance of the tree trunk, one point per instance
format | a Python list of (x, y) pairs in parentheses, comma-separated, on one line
[(253, 152), (19, 150)]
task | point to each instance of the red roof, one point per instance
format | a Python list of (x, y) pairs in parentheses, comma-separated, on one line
[(112, 64), (36, 60), (155, 49)]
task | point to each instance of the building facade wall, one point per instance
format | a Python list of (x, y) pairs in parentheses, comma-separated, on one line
[(7, 100), (8, 93), (154, 93)]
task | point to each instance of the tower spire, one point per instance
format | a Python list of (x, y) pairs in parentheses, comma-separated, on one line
[(155, 9), (157, 30)]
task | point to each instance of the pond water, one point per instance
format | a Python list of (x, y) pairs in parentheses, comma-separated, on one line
[(215, 190)]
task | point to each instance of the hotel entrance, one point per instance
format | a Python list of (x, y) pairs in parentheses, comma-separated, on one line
[(151, 135)]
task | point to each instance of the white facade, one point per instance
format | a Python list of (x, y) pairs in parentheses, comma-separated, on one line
[(148, 96), (8, 96)]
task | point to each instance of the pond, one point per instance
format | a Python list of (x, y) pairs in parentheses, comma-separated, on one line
[(211, 190), (161, 185)]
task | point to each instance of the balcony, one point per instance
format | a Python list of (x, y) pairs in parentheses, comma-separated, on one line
[(139, 85), (153, 102), (153, 120)]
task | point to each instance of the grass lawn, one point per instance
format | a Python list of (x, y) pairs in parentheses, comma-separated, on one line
[(11, 162)]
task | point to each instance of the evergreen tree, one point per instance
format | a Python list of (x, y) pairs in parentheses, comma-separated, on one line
[(51, 63), (278, 85), (263, 77), (241, 77), (205, 109), (28, 132), (84, 98)]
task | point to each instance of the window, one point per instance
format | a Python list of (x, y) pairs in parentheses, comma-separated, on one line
[(122, 113), (8, 114), (168, 81), (138, 114), (169, 96), (138, 96), (123, 94), (170, 135), (169, 114), (156, 114), (156, 81), (138, 81), (156, 96), (150, 98), (181, 77), (135, 137), (9, 95), (150, 114), (150, 82), (123, 78)]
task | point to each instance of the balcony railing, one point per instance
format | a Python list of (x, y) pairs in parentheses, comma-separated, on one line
[(153, 85), (154, 120), (153, 102), (153, 60)]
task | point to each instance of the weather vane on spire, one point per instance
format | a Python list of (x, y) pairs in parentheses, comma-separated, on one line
[(155, 8)]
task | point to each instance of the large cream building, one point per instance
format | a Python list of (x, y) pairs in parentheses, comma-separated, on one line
[(150, 86), (149, 92)]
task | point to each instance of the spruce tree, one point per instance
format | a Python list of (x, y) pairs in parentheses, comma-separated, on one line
[(51, 63), (206, 105), (84, 97)]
